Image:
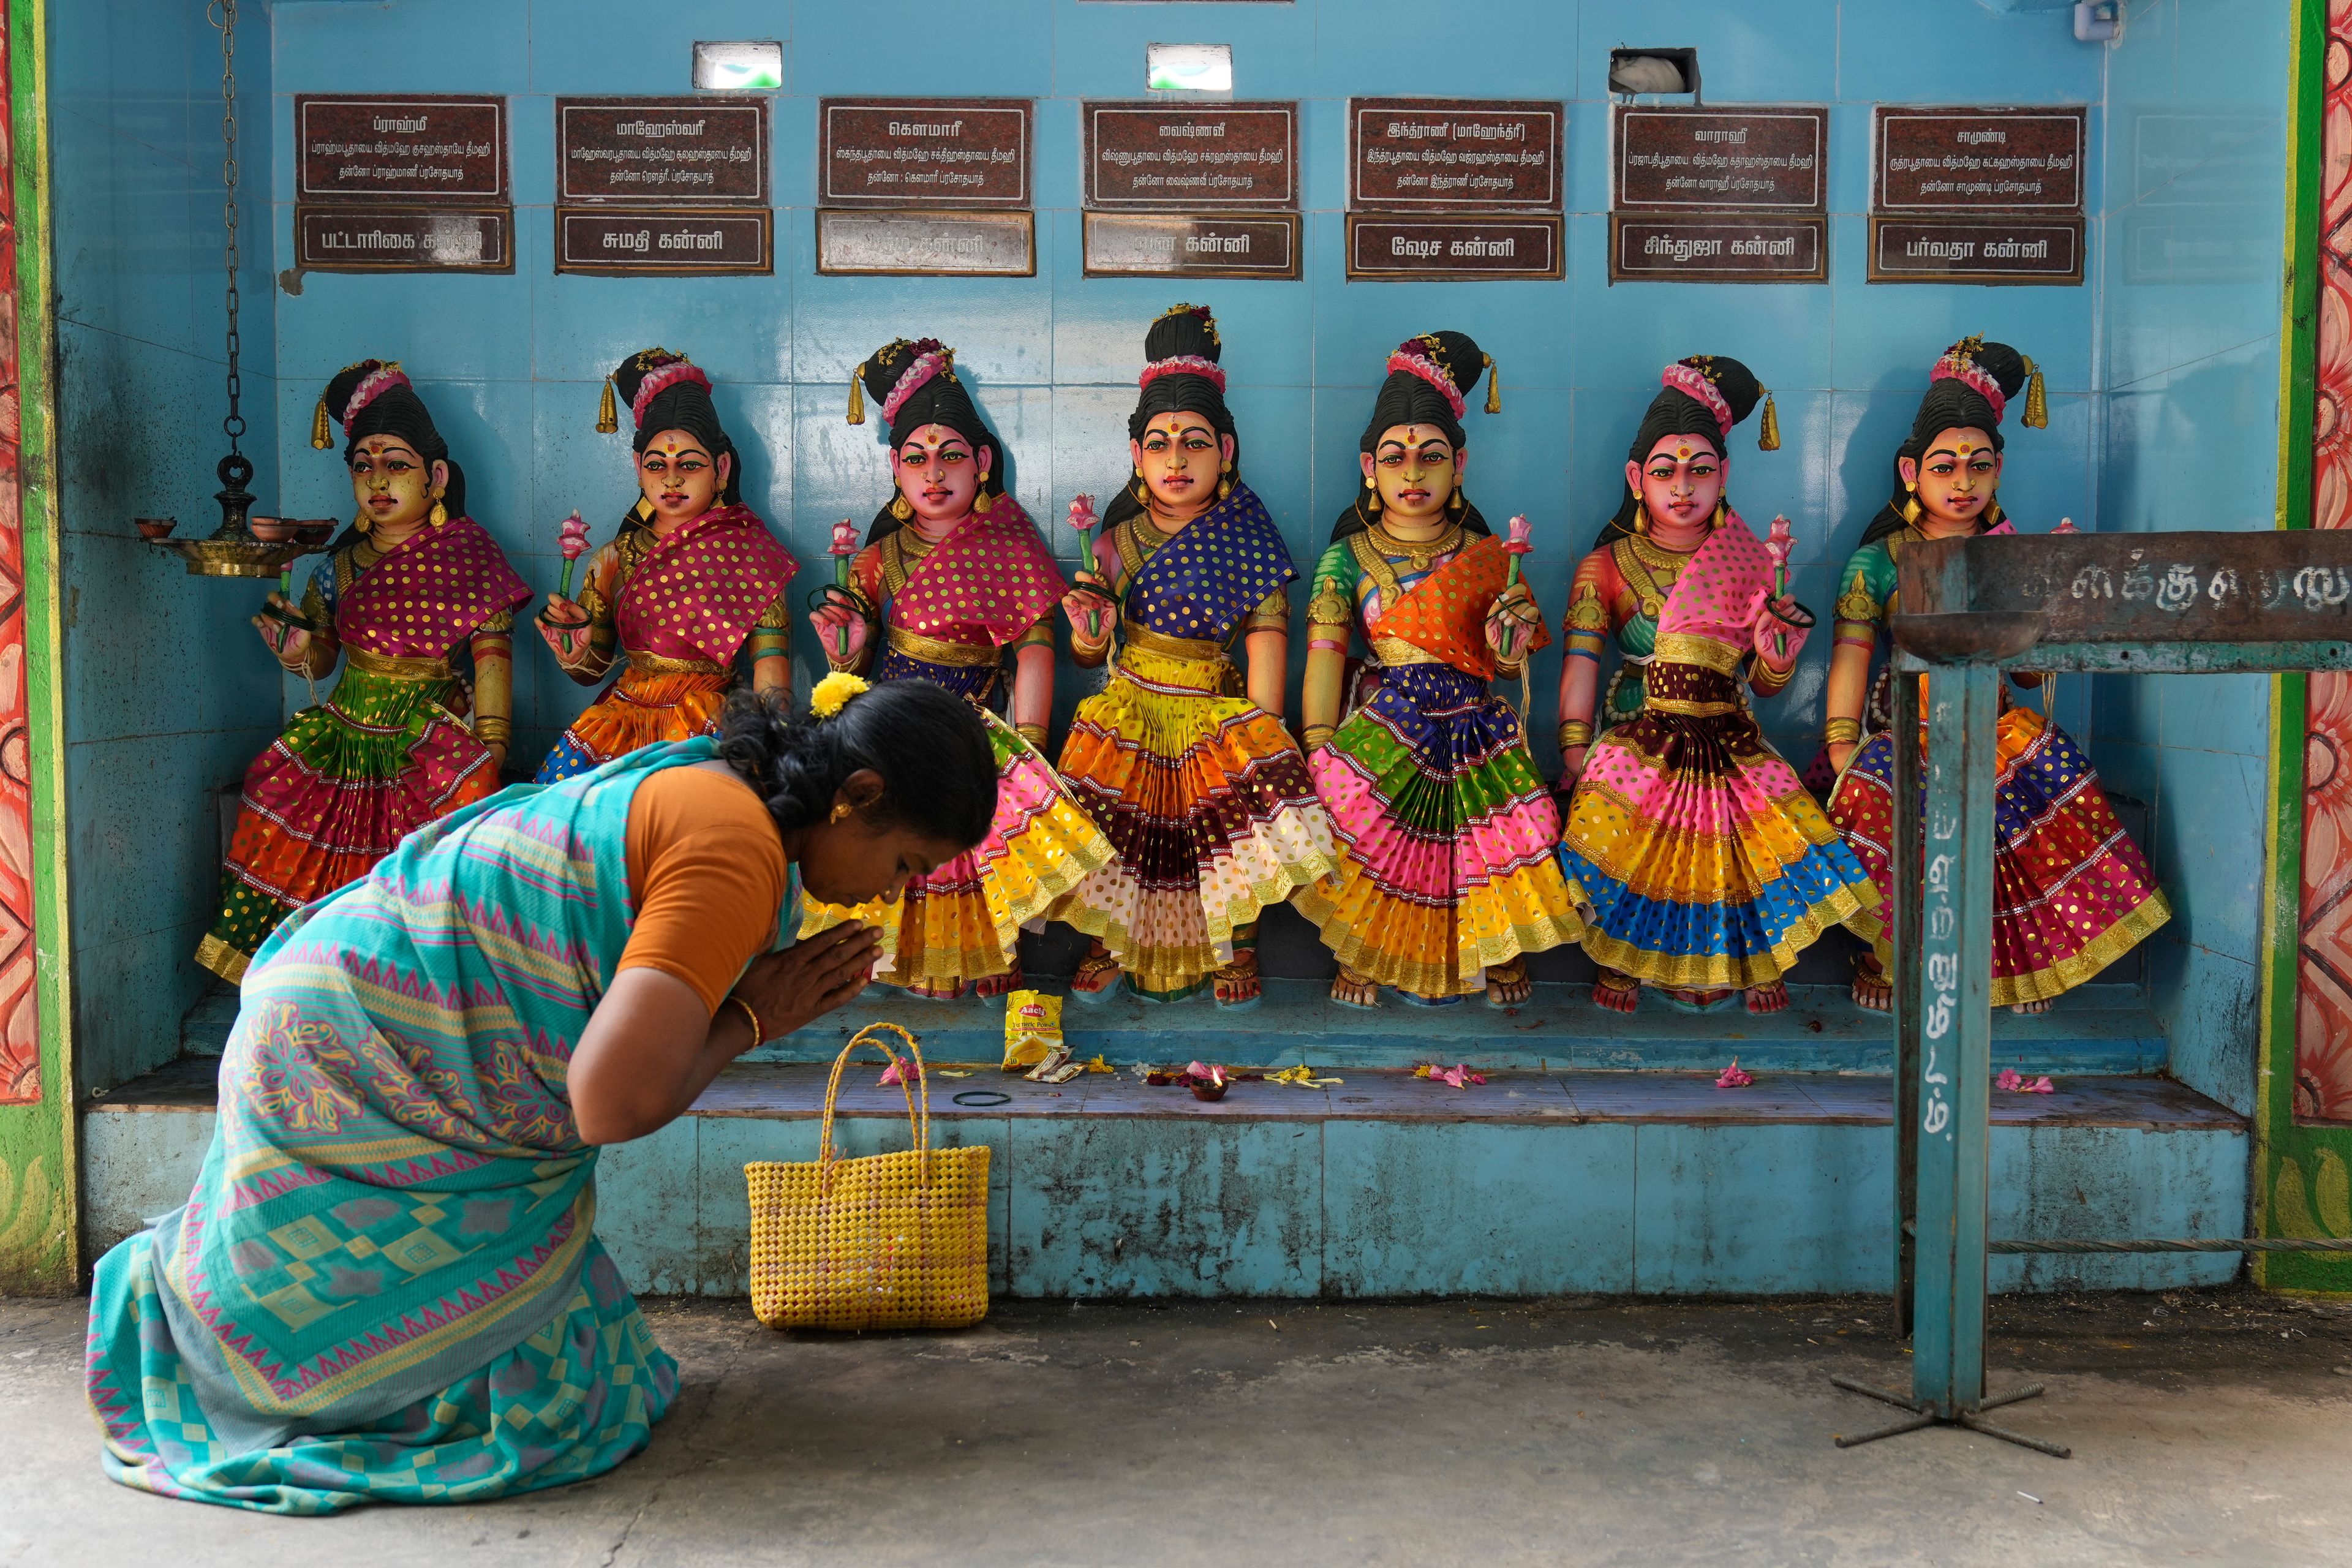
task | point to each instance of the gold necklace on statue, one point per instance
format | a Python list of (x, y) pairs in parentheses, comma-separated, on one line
[(1419, 555)]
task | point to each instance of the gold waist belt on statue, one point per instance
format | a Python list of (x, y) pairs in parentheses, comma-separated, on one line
[(1691, 710), (1681, 648), (1167, 647), (914, 645), (1395, 651), (397, 669), (655, 664)]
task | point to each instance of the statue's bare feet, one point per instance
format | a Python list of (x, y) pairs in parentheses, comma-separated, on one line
[(1507, 985), (1236, 982), (1097, 971), (1773, 998), (1618, 992), (989, 986), (2029, 1008), (1872, 990), (1350, 989)]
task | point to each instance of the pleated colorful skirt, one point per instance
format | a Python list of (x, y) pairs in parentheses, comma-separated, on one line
[(963, 921), (1210, 811), (347, 781), (653, 701), (1698, 858), (1446, 863), (2070, 892)]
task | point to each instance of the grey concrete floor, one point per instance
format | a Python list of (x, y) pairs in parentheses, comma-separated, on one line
[(2207, 1428)]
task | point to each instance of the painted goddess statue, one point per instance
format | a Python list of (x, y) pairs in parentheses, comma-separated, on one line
[(1447, 875), (1702, 865), (692, 584), (953, 576), (1200, 789), (418, 602), (2072, 893)]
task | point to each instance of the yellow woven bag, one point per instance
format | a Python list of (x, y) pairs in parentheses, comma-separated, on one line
[(888, 1241)]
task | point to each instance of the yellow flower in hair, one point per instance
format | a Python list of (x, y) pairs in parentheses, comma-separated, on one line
[(833, 692)]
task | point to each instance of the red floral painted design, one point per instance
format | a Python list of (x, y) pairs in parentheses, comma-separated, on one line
[(2323, 1038), (20, 1035)]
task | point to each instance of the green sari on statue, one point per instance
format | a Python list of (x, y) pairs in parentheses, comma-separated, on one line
[(386, 1285)]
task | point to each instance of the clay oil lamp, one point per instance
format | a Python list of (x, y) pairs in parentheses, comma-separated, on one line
[(156, 528)]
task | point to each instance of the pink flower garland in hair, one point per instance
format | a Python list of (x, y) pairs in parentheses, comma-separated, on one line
[(373, 386), (1410, 360), (1183, 364), (931, 357), (657, 381), (1692, 383), (1952, 367)]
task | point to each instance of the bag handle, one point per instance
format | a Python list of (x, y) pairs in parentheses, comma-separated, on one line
[(921, 1127)]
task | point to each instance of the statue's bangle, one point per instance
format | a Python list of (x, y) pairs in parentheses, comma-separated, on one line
[(1033, 733), (1841, 731), (492, 731), (1317, 734), (1574, 732)]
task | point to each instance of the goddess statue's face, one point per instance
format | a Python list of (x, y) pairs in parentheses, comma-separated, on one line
[(938, 473), (1681, 481), (394, 487), (1957, 475), (1417, 470), (1180, 457), (678, 476)]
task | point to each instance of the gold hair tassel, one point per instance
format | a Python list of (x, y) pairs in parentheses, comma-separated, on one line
[(608, 417), (323, 434), (856, 398), (1494, 387), (1768, 437), (2037, 399)]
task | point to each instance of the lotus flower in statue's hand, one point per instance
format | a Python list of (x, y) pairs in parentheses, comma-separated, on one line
[(1082, 512), (572, 539), (1520, 530), (1734, 1078), (845, 538)]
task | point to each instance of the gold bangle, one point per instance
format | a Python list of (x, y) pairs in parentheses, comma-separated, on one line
[(1574, 732), (1033, 733), (489, 732), (1314, 735), (1839, 732), (758, 1030)]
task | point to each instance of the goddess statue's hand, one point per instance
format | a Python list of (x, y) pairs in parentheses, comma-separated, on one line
[(290, 644), (843, 632), (1510, 624), (1840, 751), (567, 637), (1089, 606)]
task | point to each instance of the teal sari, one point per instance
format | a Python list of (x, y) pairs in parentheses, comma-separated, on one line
[(386, 1285)]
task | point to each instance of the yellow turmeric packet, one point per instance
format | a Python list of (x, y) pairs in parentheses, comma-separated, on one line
[(1033, 1028)]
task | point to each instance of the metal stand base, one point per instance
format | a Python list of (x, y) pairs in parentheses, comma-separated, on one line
[(1921, 1416)]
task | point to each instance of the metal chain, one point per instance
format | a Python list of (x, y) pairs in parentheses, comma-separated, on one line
[(222, 13)]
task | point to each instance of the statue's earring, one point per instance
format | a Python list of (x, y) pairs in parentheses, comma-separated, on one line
[(1911, 506), (899, 508), (439, 515), (362, 522), (841, 810), (1371, 502), (1141, 491), (984, 501), (1722, 510), (1641, 514)]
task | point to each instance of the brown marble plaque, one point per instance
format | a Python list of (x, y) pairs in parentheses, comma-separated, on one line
[(1176, 158), (1757, 156), (1408, 155), (726, 241), (1191, 244), (403, 239), (1968, 160), (1718, 248), (937, 152), (926, 243), (1454, 247), (1990, 249), (662, 152), (407, 149)]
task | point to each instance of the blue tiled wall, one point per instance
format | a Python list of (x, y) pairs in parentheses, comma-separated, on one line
[(2188, 318), (2163, 399), (168, 692)]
